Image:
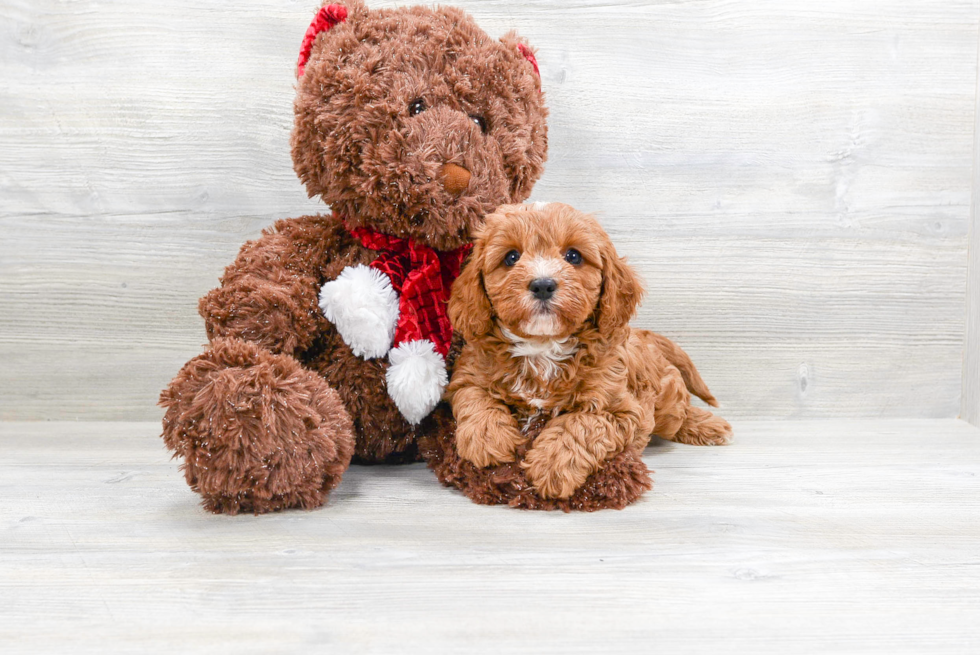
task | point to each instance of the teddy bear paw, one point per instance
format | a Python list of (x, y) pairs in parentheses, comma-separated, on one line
[(364, 308)]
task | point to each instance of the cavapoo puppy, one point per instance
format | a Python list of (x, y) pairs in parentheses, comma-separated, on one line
[(544, 304)]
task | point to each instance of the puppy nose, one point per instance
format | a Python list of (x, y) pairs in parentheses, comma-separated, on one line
[(454, 178), (543, 288)]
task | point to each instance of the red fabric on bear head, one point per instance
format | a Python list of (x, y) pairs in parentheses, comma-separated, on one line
[(326, 18), (530, 57)]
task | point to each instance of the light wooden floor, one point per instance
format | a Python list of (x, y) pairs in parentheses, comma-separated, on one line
[(799, 538)]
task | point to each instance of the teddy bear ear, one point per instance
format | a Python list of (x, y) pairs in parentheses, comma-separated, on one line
[(327, 16), (511, 40)]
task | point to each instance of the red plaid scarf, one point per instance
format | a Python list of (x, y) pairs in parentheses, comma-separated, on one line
[(422, 276)]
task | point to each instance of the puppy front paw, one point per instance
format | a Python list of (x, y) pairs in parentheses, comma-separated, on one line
[(488, 439), (565, 454), (364, 308), (553, 471)]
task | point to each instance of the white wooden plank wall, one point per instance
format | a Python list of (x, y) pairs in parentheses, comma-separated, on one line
[(792, 178), (970, 405)]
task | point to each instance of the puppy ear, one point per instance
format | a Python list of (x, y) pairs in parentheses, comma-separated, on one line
[(469, 307), (621, 290)]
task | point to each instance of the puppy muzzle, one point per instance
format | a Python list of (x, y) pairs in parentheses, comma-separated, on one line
[(543, 288)]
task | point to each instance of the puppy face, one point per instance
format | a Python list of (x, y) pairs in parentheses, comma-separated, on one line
[(541, 271)]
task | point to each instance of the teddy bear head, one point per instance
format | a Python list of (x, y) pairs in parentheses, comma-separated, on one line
[(414, 122)]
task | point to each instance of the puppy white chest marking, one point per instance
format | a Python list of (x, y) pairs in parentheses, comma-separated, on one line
[(541, 361)]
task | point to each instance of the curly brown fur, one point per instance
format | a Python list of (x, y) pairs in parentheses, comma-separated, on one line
[(570, 356), (358, 146), (283, 270), (619, 482), (284, 438)]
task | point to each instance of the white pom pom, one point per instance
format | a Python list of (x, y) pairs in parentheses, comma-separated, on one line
[(416, 379), (364, 308)]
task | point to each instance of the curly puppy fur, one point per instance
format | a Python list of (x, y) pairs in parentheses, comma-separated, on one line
[(389, 99), (622, 479), (544, 304)]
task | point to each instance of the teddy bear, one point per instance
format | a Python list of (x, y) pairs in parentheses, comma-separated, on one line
[(328, 336)]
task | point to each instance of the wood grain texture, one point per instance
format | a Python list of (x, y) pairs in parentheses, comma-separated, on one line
[(970, 408), (793, 181), (801, 537)]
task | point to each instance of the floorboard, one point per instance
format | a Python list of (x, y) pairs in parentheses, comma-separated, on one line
[(802, 537)]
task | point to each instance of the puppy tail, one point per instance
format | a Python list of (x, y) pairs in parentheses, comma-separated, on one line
[(679, 358)]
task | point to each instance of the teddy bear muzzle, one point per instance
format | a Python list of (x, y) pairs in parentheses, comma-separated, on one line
[(454, 178)]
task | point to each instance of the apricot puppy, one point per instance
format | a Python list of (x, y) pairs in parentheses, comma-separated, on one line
[(544, 304)]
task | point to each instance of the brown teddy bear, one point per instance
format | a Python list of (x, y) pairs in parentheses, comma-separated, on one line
[(329, 337)]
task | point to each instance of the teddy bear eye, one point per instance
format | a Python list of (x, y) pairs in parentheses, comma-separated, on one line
[(573, 257), (416, 107), (511, 258), (481, 122)]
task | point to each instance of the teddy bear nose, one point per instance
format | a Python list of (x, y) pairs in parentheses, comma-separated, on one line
[(543, 288), (454, 178)]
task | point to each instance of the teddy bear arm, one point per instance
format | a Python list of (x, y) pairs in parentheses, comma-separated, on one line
[(268, 295), (281, 317)]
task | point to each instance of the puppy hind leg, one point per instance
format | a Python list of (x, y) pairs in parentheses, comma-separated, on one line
[(702, 428), (678, 420), (680, 360), (670, 405)]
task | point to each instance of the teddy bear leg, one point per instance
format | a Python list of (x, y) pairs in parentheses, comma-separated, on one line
[(257, 431)]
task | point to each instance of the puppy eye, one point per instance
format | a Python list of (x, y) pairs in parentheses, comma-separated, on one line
[(573, 257), (511, 258), (481, 123), (416, 107)]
